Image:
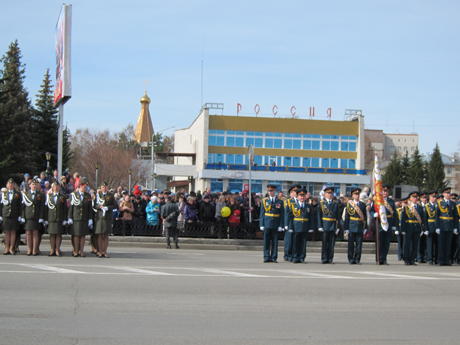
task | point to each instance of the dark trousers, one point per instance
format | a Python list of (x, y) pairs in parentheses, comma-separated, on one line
[(400, 246), (445, 246), (384, 245), (355, 246), (411, 240), (299, 246), (327, 251), (432, 247), (171, 232), (421, 253), (454, 250), (271, 244), (288, 245)]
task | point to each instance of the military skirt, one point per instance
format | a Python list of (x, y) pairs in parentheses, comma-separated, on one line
[(10, 224), (80, 228), (32, 224), (103, 226), (55, 228)]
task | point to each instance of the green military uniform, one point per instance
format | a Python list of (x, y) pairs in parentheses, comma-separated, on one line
[(56, 213), (411, 227), (302, 223), (328, 215), (430, 231), (355, 224), (80, 213), (289, 234), (10, 209), (104, 216), (33, 209)]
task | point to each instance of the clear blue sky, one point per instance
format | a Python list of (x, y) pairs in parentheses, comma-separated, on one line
[(397, 61)]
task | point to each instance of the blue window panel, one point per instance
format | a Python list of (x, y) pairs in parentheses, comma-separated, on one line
[(220, 141), (210, 158), (297, 144), (230, 141), (212, 140), (316, 136), (258, 160), (220, 132), (212, 131), (230, 159), (219, 158), (325, 163), (334, 137), (239, 133), (315, 144), (306, 162), (278, 135), (326, 137), (297, 135), (344, 137), (239, 142), (288, 161), (256, 187), (216, 186), (268, 134), (269, 143), (231, 132), (352, 164), (246, 161), (288, 143), (344, 146), (250, 133), (334, 145), (315, 162), (259, 134), (344, 163), (288, 135), (249, 141), (259, 143), (334, 163), (278, 143), (266, 160), (326, 145), (296, 161), (235, 187), (239, 159), (352, 146), (307, 144), (352, 137), (307, 135), (279, 161)]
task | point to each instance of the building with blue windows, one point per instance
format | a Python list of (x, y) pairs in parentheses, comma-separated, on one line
[(311, 152)]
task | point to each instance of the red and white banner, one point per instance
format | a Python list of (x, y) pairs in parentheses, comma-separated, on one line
[(378, 198)]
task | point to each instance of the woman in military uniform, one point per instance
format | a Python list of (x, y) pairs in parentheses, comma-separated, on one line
[(10, 214), (80, 216), (33, 215), (104, 204), (56, 211)]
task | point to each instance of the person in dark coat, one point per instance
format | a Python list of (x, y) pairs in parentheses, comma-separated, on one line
[(355, 226), (10, 215), (104, 204), (207, 210), (169, 213), (33, 215), (56, 217)]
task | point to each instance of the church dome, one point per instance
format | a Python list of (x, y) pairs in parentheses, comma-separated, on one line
[(145, 98)]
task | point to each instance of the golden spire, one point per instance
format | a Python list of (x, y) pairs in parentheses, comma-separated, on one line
[(144, 127)]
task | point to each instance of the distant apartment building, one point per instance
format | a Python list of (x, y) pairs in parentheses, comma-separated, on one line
[(385, 144)]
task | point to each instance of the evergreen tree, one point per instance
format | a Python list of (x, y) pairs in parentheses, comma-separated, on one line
[(415, 175), (436, 178), (67, 152), (17, 147), (404, 171), (392, 175), (46, 124)]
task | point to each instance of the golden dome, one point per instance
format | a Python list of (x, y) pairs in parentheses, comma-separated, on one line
[(145, 98)]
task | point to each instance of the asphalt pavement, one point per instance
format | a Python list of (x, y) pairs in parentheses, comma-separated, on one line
[(145, 295)]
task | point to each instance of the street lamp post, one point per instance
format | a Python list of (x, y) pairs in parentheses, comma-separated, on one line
[(96, 165), (129, 181), (48, 158)]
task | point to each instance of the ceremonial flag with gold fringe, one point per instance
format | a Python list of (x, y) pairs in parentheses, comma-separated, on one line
[(378, 198)]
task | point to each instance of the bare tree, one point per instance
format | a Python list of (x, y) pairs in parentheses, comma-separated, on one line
[(114, 154)]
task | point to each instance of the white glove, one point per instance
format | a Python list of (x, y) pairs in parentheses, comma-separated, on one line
[(385, 230), (403, 233), (455, 231), (291, 230), (23, 220), (262, 228), (376, 215), (64, 223), (90, 223), (45, 223), (393, 228), (396, 232), (1, 219), (19, 219), (280, 229), (427, 233), (347, 231), (438, 231), (286, 227), (365, 231), (40, 221), (105, 208), (320, 229), (311, 230), (69, 221), (337, 232)]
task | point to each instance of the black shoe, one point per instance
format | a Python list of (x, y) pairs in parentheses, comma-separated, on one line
[(447, 264), (274, 261), (295, 261), (168, 246), (177, 247), (286, 259), (324, 262), (267, 261), (406, 264)]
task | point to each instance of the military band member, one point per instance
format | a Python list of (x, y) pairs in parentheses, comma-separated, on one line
[(33, 215), (328, 215), (302, 223), (422, 252), (393, 220), (411, 228), (56, 217), (271, 221), (430, 229), (399, 207), (289, 232), (355, 226), (446, 220), (80, 216), (10, 214), (454, 254), (104, 204)]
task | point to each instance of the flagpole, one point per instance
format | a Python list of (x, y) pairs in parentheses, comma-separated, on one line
[(377, 239)]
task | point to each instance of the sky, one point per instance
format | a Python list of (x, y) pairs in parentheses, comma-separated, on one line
[(397, 61)]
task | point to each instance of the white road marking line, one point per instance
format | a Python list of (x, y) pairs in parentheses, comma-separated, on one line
[(228, 273), (397, 275), (50, 268), (184, 254), (317, 275), (137, 270)]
